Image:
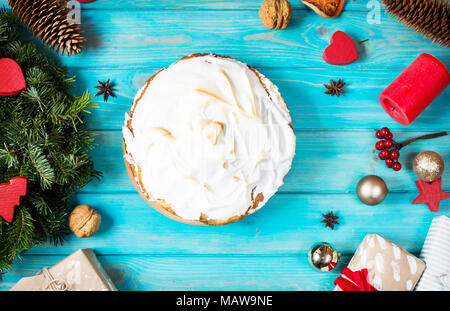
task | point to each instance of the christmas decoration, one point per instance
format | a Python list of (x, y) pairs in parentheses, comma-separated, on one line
[(428, 17), (372, 190), (12, 81), (326, 8), (354, 281), (428, 166), (10, 194), (341, 51), (275, 14), (436, 253), (390, 150), (445, 280), (48, 20), (389, 267), (84, 221), (335, 88), (415, 89), (330, 220), (323, 257), (389, 156), (431, 194), (81, 271), (44, 139), (106, 89)]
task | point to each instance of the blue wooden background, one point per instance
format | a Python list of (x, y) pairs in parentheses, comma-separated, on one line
[(129, 40)]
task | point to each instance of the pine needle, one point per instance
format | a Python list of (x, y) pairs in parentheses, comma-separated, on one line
[(45, 138)]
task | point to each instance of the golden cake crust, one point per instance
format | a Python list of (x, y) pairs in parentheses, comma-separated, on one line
[(160, 204)]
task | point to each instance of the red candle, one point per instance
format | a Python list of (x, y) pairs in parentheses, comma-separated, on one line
[(415, 89)]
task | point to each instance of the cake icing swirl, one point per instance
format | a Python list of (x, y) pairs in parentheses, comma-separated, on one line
[(207, 135)]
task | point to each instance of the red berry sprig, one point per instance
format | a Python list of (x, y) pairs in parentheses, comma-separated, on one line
[(390, 150)]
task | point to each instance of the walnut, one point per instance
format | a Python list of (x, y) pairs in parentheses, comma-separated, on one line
[(84, 221), (212, 131), (326, 8), (275, 14)]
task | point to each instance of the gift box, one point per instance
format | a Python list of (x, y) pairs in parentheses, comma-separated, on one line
[(81, 271), (445, 279), (436, 253), (380, 265)]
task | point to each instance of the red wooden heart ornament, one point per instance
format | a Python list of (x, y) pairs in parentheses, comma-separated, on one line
[(10, 194), (341, 51), (12, 81)]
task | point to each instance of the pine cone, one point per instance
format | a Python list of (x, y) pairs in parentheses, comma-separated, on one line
[(47, 19), (429, 17)]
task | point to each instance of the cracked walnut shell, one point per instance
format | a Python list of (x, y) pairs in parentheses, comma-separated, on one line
[(275, 14), (84, 221), (326, 8)]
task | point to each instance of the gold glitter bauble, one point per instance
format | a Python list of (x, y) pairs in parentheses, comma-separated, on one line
[(372, 190), (428, 166)]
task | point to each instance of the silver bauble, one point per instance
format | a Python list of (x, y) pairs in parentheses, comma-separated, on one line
[(428, 166), (323, 257), (372, 190)]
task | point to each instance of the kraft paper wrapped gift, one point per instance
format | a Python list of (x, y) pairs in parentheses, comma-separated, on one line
[(445, 279), (379, 264), (80, 271), (436, 253)]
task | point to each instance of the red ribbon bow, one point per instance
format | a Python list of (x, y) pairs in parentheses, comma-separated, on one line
[(354, 281)]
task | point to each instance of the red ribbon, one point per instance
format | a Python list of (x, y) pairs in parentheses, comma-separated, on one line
[(354, 281)]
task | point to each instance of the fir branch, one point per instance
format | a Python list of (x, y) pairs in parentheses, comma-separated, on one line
[(21, 232), (36, 76), (44, 171), (39, 202), (17, 239), (9, 157), (34, 96), (45, 138)]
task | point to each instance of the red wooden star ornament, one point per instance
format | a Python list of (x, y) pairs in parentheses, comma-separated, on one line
[(10, 194), (431, 194)]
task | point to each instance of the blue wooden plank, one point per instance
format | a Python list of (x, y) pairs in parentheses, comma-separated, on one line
[(224, 273), (140, 39), (287, 225), (325, 161), (302, 89), (143, 250)]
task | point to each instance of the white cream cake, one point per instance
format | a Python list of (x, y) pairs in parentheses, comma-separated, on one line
[(209, 138)]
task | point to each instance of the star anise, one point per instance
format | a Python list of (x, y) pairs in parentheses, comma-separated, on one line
[(335, 88), (330, 220), (106, 89)]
